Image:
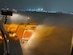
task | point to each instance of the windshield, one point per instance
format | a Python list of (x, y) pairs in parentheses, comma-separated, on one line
[(34, 30)]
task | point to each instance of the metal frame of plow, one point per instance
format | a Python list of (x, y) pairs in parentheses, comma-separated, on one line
[(4, 36)]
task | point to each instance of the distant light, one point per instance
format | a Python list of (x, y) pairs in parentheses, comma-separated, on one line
[(2, 9), (28, 18), (14, 10), (40, 9), (7, 8), (29, 9)]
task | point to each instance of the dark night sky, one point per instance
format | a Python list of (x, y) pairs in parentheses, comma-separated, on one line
[(51, 5)]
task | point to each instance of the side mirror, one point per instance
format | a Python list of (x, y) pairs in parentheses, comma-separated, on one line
[(6, 12)]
